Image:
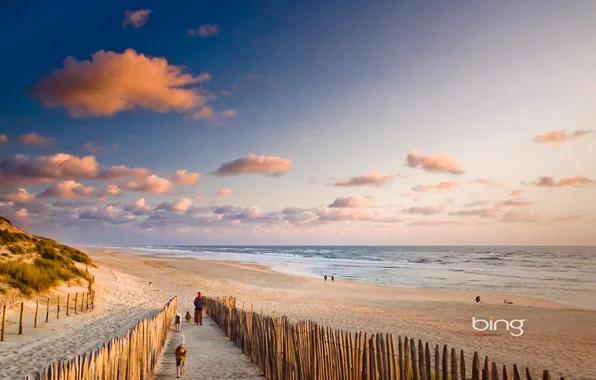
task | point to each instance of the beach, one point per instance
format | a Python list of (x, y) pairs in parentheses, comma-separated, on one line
[(556, 336)]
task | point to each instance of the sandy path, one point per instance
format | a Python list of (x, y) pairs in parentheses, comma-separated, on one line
[(210, 355)]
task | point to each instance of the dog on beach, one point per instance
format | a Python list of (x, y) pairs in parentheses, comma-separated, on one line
[(188, 316), (180, 357), (178, 320)]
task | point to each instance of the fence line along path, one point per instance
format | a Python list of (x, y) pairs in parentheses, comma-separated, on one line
[(210, 355)]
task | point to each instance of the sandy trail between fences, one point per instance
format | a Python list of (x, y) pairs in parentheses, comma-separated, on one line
[(210, 355)]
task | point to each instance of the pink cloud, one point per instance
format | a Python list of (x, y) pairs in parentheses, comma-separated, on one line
[(204, 31), (520, 217), (150, 184), (251, 163), (516, 202), (485, 181), (113, 82), (578, 181), (3, 139), (204, 113), (110, 190), (138, 207), (186, 178), (66, 190), (354, 201), (516, 193), (16, 195), (136, 19), (346, 215), (223, 192), (434, 223), (35, 140), (560, 137), (434, 164), (372, 178), (423, 210), (476, 204), (477, 212), (24, 169), (445, 185), (228, 113), (22, 213)]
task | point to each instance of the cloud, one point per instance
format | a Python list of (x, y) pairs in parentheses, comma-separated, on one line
[(150, 184), (3, 139), (35, 140), (113, 82), (228, 113), (24, 169), (108, 213), (423, 210), (445, 185), (136, 19), (228, 209), (354, 201), (484, 181), (516, 202), (16, 195), (520, 217), (476, 204), (560, 137), (252, 164), (434, 223), (578, 181), (181, 205), (204, 31), (74, 203), (372, 178), (110, 190), (434, 164), (138, 207), (94, 148), (22, 213), (488, 213), (516, 193), (223, 192), (186, 178), (66, 190)]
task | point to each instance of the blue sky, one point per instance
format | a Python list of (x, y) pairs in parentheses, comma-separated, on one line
[(337, 88)]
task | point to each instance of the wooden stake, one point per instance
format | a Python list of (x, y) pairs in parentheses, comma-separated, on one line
[(3, 323), (67, 304), (75, 303), (48, 311), (58, 309), (21, 319), (36, 310)]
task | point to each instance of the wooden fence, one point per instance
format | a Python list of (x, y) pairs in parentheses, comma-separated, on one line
[(131, 357), (74, 304), (306, 350)]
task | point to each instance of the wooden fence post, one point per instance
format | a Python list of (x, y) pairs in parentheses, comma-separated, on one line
[(82, 299), (3, 323), (75, 302), (36, 310), (21, 319), (48, 311), (67, 304), (58, 309)]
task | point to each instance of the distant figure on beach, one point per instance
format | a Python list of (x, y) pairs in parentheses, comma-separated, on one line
[(508, 302), (325, 277), (332, 279), (187, 316), (477, 298), (199, 309)]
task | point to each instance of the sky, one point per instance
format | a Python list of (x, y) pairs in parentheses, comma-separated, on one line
[(300, 123)]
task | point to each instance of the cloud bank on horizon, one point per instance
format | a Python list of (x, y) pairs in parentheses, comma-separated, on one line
[(184, 142)]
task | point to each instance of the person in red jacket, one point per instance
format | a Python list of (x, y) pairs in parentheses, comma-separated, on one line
[(199, 309)]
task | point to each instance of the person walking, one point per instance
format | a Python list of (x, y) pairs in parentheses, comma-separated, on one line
[(325, 277), (199, 309), (332, 279)]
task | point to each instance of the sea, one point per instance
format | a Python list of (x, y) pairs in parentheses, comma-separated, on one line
[(563, 274)]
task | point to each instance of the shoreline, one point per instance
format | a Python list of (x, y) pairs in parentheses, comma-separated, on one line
[(416, 293)]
